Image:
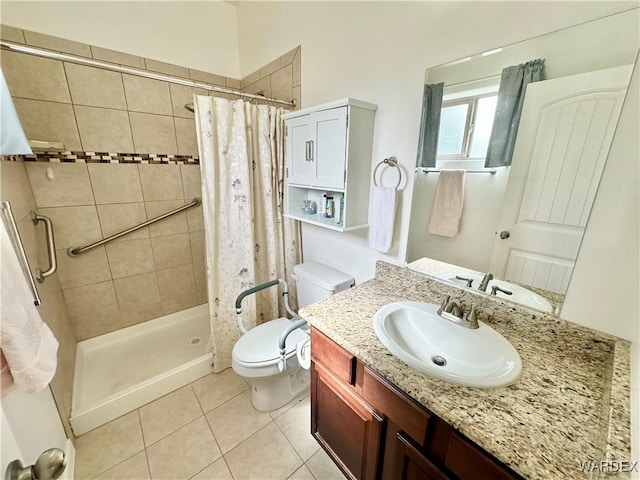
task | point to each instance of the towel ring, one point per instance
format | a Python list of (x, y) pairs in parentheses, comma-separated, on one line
[(392, 162)]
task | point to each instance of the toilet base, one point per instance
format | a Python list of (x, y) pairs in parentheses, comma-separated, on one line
[(272, 393)]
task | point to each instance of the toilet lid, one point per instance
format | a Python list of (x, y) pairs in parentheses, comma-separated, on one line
[(260, 344)]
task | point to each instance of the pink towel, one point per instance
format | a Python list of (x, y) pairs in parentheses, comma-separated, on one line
[(447, 204), (28, 345)]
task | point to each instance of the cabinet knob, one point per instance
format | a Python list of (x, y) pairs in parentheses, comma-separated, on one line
[(504, 234)]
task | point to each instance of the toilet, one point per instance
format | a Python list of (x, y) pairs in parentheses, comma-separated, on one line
[(256, 354)]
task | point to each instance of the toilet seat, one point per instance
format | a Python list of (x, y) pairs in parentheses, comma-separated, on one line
[(256, 353)]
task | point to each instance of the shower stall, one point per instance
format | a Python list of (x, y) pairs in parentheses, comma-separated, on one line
[(130, 282), (129, 301), (119, 371)]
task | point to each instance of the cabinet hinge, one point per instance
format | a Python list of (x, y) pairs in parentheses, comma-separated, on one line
[(287, 169), (286, 131), (345, 177), (347, 120)]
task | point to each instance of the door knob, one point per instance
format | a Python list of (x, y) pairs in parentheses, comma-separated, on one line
[(504, 234), (49, 466)]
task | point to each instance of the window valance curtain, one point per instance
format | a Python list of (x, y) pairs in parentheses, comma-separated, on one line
[(429, 125), (513, 86)]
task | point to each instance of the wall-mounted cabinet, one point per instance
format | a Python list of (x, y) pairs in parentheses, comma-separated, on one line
[(328, 152)]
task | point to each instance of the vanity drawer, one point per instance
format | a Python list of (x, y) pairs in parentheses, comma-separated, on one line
[(469, 462), (333, 357), (385, 397)]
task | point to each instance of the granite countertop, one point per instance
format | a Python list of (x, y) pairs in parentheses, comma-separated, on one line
[(569, 405)]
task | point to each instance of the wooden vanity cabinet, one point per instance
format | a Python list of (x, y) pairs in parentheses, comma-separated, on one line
[(373, 430)]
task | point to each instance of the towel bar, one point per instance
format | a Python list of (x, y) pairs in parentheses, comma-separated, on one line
[(14, 235), (491, 171)]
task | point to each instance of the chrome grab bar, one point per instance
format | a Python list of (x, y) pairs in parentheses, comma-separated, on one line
[(74, 252), (12, 229), (51, 246)]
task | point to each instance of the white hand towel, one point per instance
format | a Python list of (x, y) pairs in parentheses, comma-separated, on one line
[(447, 204), (383, 218), (27, 343)]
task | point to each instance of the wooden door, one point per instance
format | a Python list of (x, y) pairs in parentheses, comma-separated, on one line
[(346, 427), (564, 137), (411, 464), (297, 148), (330, 148)]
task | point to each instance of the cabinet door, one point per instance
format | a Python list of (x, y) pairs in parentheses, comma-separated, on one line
[(411, 464), (298, 151), (329, 136), (347, 428)]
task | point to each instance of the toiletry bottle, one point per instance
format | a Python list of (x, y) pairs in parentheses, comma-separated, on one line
[(339, 205), (322, 208), (330, 207)]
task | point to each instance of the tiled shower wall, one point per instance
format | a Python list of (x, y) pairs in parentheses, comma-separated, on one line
[(277, 79), (15, 188), (146, 274), (89, 109)]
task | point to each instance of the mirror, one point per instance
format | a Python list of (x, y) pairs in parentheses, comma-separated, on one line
[(541, 203)]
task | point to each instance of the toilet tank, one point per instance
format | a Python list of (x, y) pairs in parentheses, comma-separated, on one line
[(316, 281)]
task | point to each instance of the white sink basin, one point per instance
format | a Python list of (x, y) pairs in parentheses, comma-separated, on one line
[(520, 295), (418, 336)]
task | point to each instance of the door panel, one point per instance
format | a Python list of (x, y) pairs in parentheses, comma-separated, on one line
[(298, 134), (30, 425), (565, 132), (539, 271), (348, 429), (330, 147)]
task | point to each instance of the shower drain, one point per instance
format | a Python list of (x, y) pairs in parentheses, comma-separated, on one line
[(194, 341)]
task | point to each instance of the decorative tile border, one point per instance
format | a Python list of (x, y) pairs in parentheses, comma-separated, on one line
[(103, 157)]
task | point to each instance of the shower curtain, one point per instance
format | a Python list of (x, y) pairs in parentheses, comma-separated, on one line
[(248, 241)]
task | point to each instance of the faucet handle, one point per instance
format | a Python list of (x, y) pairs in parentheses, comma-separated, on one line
[(472, 316), (444, 304), (469, 281), (495, 289), (475, 311)]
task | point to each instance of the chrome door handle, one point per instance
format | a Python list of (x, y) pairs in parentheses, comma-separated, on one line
[(504, 234), (49, 466)]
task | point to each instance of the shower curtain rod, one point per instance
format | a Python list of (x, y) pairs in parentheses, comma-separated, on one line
[(135, 71)]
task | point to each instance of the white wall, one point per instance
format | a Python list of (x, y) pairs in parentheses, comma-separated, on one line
[(200, 35), (608, 266), (378, 52)]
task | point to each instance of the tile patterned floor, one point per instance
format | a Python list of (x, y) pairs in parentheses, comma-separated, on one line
[(206, 430)]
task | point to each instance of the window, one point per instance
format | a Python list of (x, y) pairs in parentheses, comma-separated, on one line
[(465, 127)]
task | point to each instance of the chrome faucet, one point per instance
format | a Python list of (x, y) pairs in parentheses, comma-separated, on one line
[(485, 282), (450, 310)]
